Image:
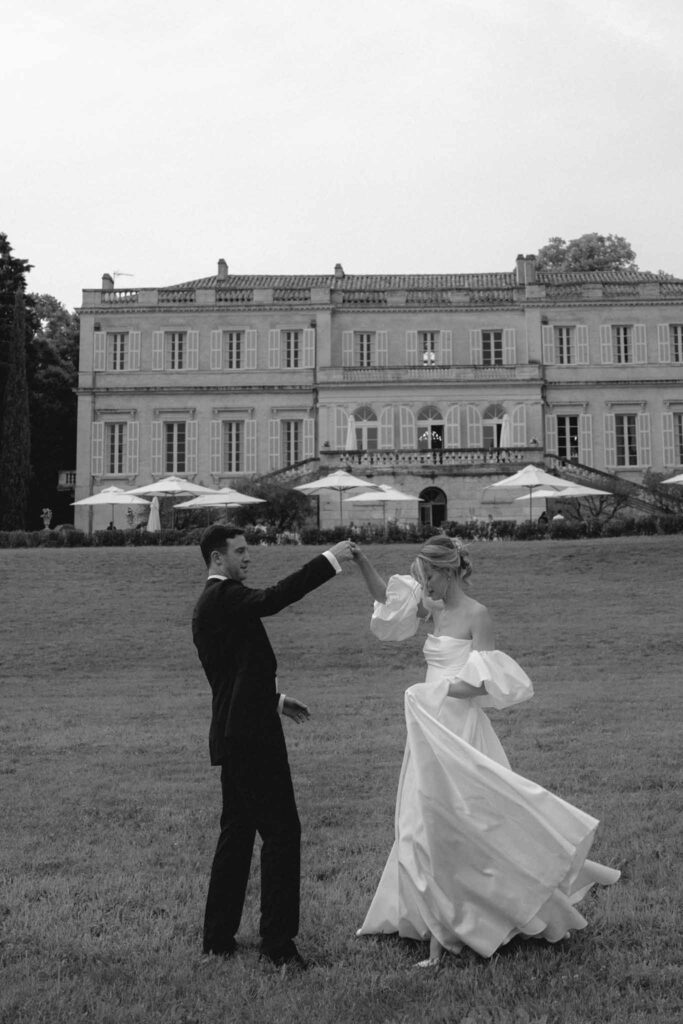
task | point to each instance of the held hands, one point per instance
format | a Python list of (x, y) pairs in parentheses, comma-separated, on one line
[(343, 551), (295, 710)]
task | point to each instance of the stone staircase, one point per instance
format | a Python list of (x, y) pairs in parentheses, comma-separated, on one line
[(637, 496)]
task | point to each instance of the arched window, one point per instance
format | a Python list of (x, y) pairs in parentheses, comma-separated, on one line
[(433, 506), (430, 429), (365, 420), (492, 424)]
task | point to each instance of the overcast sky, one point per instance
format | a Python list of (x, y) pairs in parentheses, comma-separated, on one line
[(393, 136)]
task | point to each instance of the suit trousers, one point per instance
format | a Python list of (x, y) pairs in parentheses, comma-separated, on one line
[(258, 796)]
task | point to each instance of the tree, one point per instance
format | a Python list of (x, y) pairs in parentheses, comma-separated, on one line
[(53, 382), (286, 509), (588, 252), (12, 276), (15, 434)]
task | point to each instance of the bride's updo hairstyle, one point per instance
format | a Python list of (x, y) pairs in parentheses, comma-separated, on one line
[(447, 554)]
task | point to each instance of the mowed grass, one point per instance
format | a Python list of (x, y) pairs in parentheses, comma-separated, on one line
[(109, 808)]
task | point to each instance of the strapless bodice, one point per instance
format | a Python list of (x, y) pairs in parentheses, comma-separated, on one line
[(445, 655)]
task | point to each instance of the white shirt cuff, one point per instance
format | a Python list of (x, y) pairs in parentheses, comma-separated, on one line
[(333, 561), (281, 703)]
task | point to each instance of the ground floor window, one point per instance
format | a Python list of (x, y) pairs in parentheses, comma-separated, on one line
[(627, 439), (433, 506), (175, 448), (233, 446), (115, 449), (291, 441), (568, 437)]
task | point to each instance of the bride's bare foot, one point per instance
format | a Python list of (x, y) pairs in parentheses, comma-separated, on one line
[(436, 954)]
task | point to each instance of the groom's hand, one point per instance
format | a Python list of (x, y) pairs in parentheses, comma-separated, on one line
[(295, 710), (342, 551)]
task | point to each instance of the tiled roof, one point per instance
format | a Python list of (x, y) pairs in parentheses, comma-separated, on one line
[(354, 282)]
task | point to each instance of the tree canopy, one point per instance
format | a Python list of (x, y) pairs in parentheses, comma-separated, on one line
[(588, 252)]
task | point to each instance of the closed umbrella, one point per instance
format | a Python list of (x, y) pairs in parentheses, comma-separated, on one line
[(154, 521), (505, 432), (112, 496), (339, 481), (351, 444)]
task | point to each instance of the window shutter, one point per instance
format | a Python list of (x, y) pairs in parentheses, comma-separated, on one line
[(157, 448), (274, 350), (347, 348), (157, 350), (476, 350), (411, 348), (445, 356), (519, 426), (643, 430), (606, 347), (639, 343), (586, 439), (407, 420), (548, 337), (193, 350), (664, 340), (308, 348), (309, 438), (99, 356), (509, 346), (581, 348), (452, 439), (386, 428), (216, 350), (215, 447), (250, 350), (132, 447), (133, 351), (668, 448), (474, 428), (610, 441), (191, 445), (551, 434), (97, 449), (250, 445), (341, 420), (274, 441), (382, 348)]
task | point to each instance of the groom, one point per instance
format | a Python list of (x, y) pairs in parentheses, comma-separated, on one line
[(247, 741)]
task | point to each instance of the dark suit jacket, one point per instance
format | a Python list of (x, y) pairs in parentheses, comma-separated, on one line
[(238, 659)]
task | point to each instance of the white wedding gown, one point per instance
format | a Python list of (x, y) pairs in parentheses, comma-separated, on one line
[(481, 854)]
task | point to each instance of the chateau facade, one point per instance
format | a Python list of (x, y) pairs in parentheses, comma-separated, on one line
[(451, 381)]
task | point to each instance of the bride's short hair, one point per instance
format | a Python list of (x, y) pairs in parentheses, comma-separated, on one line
[(443, 553)]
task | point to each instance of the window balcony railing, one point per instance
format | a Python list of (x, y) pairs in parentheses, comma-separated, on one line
[(401, 374), (407, 459)]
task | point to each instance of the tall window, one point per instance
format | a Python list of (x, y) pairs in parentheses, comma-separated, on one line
[(429, 429), (676, 335), (176, 350), (427, 343), (117, 350), (291, 441), (175, 447), (622, 345), (234, 349), (115, 449), (233, 446), (492, 348), (627, 440), (678, 437), (364, 339), (292, 349), (366, 428), (568, 437), (563, 337)]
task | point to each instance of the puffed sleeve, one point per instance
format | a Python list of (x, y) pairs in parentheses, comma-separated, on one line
[(506, 682), (397, 618)]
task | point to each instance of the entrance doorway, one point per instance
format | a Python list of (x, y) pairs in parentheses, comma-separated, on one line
[(433, 506)]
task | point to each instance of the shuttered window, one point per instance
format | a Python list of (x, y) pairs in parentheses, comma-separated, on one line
[(175, 447)]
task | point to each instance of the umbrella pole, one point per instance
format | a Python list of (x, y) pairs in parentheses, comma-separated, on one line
[(341, 511)]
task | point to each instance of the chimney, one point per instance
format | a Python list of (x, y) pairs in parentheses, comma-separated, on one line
[(530, 269), (339, 271), (222, 270), (520, 270), (107, 283)]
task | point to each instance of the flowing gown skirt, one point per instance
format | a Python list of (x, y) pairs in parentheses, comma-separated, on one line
[(481, 853)]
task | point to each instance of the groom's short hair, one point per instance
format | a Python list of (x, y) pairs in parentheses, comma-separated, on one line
[(216, 537)]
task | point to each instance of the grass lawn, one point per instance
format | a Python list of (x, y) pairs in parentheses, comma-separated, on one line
[(109, 808)]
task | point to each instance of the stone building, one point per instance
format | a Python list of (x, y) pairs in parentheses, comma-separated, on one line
[(451, 380)]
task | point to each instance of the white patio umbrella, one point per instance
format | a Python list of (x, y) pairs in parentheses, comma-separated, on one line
[(171, 485), (154, 521), (351, 444), (339, 481), (384, 496), (678, 479), (112, 496), (225, 496), (568, 491), (532, 477)]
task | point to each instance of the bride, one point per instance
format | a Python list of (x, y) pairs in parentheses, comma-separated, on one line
[(481, 854)]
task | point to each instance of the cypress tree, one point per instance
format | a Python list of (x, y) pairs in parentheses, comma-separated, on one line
[(15, 433)]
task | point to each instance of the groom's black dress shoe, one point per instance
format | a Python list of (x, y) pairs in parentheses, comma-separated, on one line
[(225, 951), (285, 955)]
